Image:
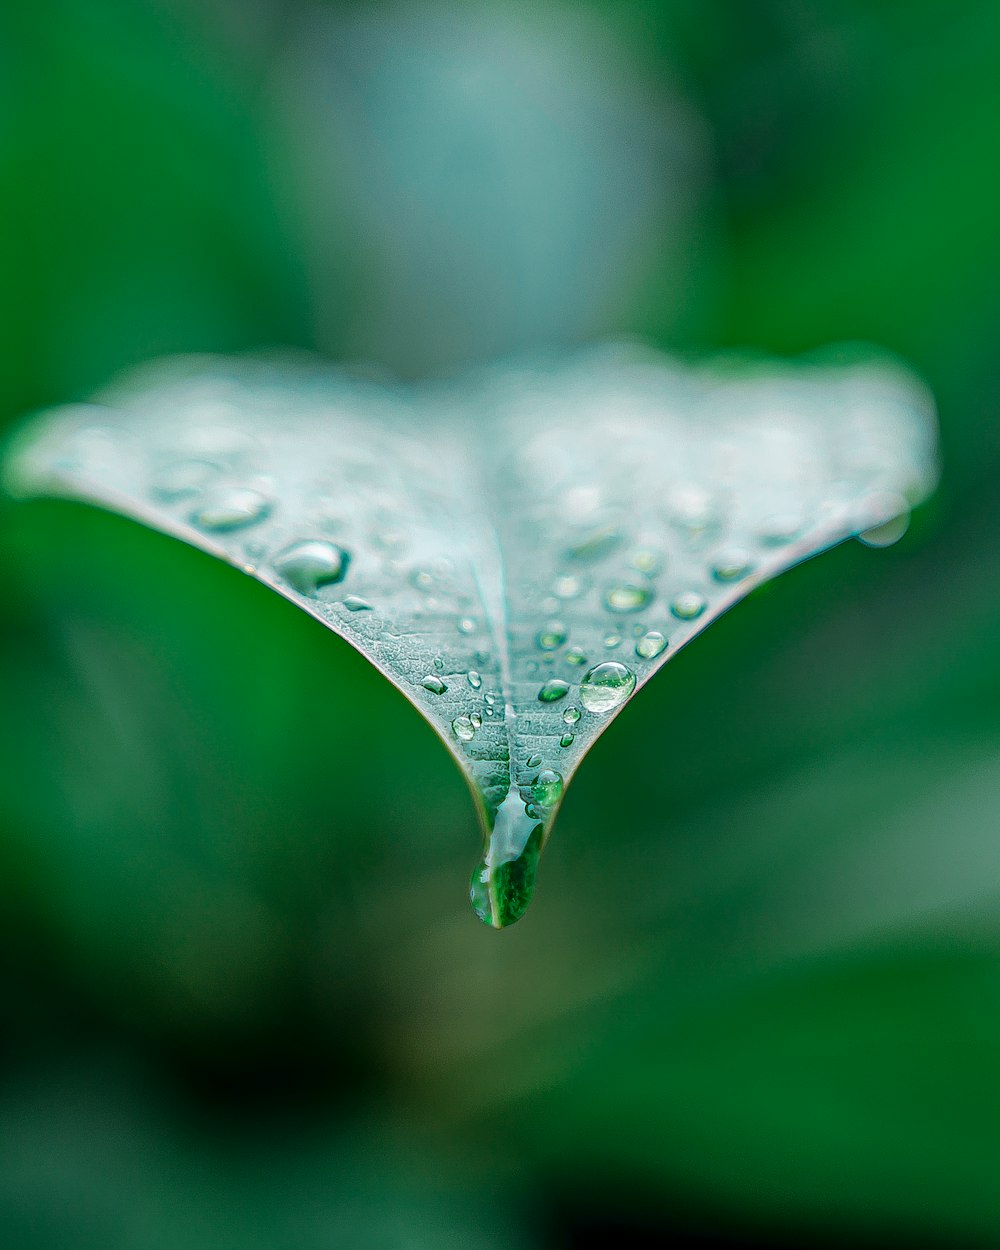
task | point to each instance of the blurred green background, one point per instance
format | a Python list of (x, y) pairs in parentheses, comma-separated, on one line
[(244, 1000)]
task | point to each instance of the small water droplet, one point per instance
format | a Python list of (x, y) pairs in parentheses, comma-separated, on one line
[(612, 640), (645, 561), (780, 528), (434, 684), (688, 605), (482, 658), (606, 686), (551, 635), (571, 715), (184, 477), (310, 564), (439, 664), (464, 729), (354, 603), (650, 645), (477, 720), (491, 697), (475, 681), (567, 586), (466, 625), (731, 565), (566, 740), (421, 579), (576, 655), (231, 509), (533, 761), (627, 598), (555, 688), (547, 787)]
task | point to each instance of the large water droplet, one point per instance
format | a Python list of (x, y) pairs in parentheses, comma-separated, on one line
[(231, 509), (606, 686), (554, 688), (310, 564), (547, 788), (504, 880), (627, 598), (650, 645), (551, 635)]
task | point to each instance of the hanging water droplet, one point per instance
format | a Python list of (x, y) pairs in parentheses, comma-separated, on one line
[(567, 586), (571, 715), (231, 509), (547, 787), (533, 761), (184, 477), (310, 564), (645, 560), (475, 681), (566, 740), (650, 645), (688, 605), (554, 688), (551, 635), (896, 512), (504, 879), (354, 603), (576, 655), (466, 625), (731, 565), (464, 729), (606, 686), (627, 598), (434, 684)]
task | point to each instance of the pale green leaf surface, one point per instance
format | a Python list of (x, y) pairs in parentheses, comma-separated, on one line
[(489, 543)]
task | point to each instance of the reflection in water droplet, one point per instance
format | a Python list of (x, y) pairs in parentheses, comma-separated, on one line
[(567, 586), (576, 655), (554, 688), (547, 787), (551, 636), (464, 729), (571, 715), (627, 598), (434, 684), (688, 605), (231, 509), (606, 686), (353, 603), (650, 645), (310, 564), (475, 681), (731, 565), (566, 740), (504, 880)]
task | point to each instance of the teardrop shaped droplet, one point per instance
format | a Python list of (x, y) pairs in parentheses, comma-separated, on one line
[(547, 788), (311, 564), (650, 645), (231, 509), (504, 879), (555, 688), (606, 686)]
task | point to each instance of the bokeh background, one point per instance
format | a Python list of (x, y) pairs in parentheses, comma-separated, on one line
[(244, 1002)]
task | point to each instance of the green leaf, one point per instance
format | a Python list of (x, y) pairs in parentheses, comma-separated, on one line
[(518, 551)]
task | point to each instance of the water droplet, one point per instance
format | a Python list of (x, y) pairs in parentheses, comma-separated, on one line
[(421, 579), (504, 879), (606, 686), (491, 697), (567, 586), (612, 640), (688, 605), (896, 513), (231, 509), (354, 603), (571, 715), (310, 564), (554, 688), (780, 528), (533, 761), (464, 729), (731, 565), (477, 720), (645, 561), (439, 664), (551, 636), (475, 681), (184, 477), (576, 655), (627, 598), (566, 740), (482, 658), (547, 787), (650, 645), (466, 625), (596, 545), (434, 684)]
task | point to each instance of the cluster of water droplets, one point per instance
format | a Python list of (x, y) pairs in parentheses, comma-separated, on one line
[(518, 585)]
